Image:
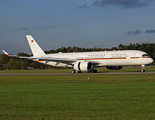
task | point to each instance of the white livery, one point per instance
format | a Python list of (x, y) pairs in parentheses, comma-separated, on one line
[(87, 61)]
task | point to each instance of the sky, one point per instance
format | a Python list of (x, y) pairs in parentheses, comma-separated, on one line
[(83, 23)]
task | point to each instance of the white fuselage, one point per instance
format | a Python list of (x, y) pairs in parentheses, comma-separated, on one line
[(103, 58)]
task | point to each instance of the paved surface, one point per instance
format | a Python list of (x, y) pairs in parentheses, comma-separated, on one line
[(51, 74)]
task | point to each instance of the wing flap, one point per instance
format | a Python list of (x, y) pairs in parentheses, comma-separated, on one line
[(61, 60)]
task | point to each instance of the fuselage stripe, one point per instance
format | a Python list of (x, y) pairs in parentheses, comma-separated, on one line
[(102, 58), (113, 58), (123, 58)]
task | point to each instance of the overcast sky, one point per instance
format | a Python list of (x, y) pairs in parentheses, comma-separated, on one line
[(82, 23)]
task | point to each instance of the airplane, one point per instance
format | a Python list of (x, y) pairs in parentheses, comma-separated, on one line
[(87, 61)]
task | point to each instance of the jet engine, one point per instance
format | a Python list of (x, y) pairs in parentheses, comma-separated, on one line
[(83, 66), (114, 67)]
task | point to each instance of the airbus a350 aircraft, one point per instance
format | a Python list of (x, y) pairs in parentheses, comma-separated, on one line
[(87, 61)]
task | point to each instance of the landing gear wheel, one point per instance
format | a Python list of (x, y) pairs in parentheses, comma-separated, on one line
[(95, 71), (142, 70), (73, 71), (143, 66)]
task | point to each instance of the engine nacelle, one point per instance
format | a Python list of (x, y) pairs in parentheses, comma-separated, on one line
[(114, 67), (83, 66)]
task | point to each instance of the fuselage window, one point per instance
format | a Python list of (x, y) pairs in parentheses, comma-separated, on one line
[(145, 55)]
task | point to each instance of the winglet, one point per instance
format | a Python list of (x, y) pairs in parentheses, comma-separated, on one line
[(6, 53), (9, 54)]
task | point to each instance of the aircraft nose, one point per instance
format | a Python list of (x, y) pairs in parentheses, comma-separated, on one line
[(151, 60)]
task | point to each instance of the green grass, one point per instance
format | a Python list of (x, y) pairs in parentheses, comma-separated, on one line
[(106, 97), (38, 71)]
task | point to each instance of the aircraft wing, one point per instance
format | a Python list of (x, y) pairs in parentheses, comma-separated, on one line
[(61, 60)]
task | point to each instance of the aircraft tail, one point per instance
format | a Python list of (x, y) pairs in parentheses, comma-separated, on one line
[(35, 48)]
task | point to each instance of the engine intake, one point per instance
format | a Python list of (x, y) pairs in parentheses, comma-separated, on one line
[(114, 67), (83, 66)]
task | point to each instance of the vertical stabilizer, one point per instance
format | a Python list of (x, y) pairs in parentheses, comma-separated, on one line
[(35, 48)]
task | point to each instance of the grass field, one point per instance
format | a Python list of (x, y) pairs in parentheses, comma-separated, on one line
[(116, 97)]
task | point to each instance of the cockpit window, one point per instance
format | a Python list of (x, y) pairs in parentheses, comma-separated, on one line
[(145, 55)]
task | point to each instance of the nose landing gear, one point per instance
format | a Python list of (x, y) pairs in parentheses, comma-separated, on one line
[(143, 66)]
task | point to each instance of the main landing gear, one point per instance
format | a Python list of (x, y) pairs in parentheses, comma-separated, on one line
[(92, 71), (75, 71), (143, 66)]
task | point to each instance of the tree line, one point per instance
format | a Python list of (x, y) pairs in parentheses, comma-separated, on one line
[(21, 64)]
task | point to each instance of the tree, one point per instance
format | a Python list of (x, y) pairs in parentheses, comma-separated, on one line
[(1, 61), (121, 47)]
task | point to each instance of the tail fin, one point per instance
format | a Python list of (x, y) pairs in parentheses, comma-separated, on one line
[(35, 48)]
